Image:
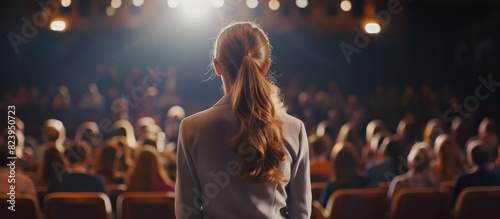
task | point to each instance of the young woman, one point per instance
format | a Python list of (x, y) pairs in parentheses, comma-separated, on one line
[(244, 157), (148, 173)]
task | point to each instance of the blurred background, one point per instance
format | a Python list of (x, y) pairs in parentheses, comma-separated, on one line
[(360, 47)]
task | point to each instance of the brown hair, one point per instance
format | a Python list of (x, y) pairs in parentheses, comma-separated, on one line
[(147, 172), (242, 51), (106, 162)]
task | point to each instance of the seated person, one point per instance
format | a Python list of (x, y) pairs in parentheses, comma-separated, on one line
[(387, 165), (417, 176), (148, 173), (481, 173), (23, 184), (78, 179), (345, 172)]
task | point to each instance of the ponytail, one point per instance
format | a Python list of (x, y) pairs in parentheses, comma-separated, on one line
[(260, 131)]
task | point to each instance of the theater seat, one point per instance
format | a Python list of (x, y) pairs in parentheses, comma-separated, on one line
[(316, 189), (318, 212), (83, 205), (418, 203), (357, 204), (321, 171), (384, 186), (114, 191), (151, 205), (449, 185), (26, 206), (478, 202)]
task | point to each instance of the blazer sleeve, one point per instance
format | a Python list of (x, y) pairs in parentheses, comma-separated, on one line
[(187, 203), (299, 202)]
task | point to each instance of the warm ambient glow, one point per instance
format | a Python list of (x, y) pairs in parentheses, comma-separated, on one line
[(252, 3), (116, 3), (218, 3), (274, 5), (173, 3), (137, 3), (345, 5), (301, 3), (195, 8), (58, 25), (372, 28), (110, 11), (65, 3)]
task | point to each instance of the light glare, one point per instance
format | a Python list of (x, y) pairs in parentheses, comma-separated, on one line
[(110, 11), (252, 3), (195, 8), (372, 28), (116, 3), (218, 3), (138, 3), (173, 3), (58, 25), (345, 5), (301, 3), (274, 5), (65, 3)]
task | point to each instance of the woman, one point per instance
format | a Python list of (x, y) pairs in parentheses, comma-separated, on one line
[(53, 166), (448, 165), (148, 173), (106, 165), (345, 172), (244, 157)]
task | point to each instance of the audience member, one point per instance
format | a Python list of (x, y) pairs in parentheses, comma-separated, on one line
[(53, 166), (417, 176), (148, 173), (106, 164), (23, 184), (448, 164), (390, 165)]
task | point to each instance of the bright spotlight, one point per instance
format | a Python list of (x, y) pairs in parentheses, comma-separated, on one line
[(110, 11), (274, 5), (345, 5), (252, 3), (65, 3), (116, 3), (58, 25), (173, 3), (301, 3), (195, 8), (218, 3), (372, 28), (138, 3)]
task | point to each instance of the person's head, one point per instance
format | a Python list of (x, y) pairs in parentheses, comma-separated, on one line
[(377, 140), (345, 162), (53, 165), (419, 158), (372, 128), (78, 154), (391, 147), (241, 56), (147, 171), (319, 144), (407, 128), (88, 132), (478, 154), (445, 147), (53, 131), (123, 127), (486, 127), (432, 130), (107, 158)]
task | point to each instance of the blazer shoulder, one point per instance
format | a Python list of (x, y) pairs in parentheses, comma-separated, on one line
[(291, 124)]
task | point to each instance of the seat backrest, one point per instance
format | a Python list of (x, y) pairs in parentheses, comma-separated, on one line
[(25, 206), (76, 205), (320, 171), (357, 204), (478, 202), (316, 189), (450, 185), (318, 212), (149, 205), (418, 203), (384, 186)]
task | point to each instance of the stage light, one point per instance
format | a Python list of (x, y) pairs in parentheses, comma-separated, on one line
[(218, 3), (116, 3), (65, 3), (58, 25), (274, 5), (301, 3), (372, 28), (252, 3), (195, 8), (173, 3), (345, 5), (137, 3), (110, 11)]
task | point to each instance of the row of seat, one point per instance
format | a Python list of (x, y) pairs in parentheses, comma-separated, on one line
[(422, 203), (411, 203), (130, 205)]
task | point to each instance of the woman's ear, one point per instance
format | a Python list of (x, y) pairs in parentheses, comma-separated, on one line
[(217, 67), (266, 67)]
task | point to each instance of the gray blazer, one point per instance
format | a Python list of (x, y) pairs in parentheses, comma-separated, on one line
[(208, 182)]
